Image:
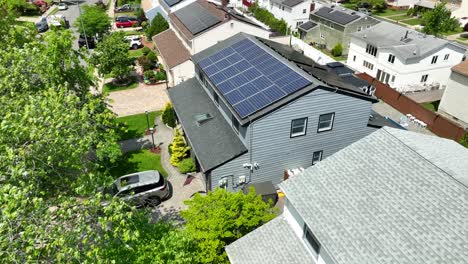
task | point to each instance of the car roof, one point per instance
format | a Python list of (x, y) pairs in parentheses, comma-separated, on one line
[(138, 179)]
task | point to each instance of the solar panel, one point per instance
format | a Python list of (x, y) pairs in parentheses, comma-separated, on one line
[(250, 78), (196, 18), (172, 2)]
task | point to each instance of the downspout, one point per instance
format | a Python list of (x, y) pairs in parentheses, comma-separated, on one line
[(250, 148)]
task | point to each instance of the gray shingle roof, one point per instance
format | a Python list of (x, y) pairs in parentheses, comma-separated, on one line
[(214, 142), (307, 25), (392, 197), (414, 47), (342, 17), (292, 3), (266, 245)]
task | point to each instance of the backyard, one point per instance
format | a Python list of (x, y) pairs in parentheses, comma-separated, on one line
[(141, 160), (432, 106), (134, 126), (111, 87)]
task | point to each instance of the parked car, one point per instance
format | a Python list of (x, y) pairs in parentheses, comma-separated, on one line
[(62, 6), (57, 20), (123, 8), (82, 42), (42, 25), (134, 41), (141, 188), (125, 21)]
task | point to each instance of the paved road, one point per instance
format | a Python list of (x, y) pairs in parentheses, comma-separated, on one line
[(73, 12)]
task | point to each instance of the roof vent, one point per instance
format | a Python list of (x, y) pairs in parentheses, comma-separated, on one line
[(202, 118)]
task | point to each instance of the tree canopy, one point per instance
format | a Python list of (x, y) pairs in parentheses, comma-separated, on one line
[(93, 21), (157, 25), (439, 20)]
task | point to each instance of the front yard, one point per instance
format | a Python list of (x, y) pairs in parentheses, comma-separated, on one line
[(136, 125), (141, 160)]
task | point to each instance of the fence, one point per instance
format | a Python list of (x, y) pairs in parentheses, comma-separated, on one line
[(436, 123), (311, 52)]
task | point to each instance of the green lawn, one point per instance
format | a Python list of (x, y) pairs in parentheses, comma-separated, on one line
[(413, 22), (132, 32), (110, 87), (458, 30), (432, 106), (400, 17), (389, 12), (135, 125), (141, 160), (134, 54)]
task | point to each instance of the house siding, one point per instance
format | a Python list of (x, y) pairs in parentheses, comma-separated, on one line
[(274, 150)]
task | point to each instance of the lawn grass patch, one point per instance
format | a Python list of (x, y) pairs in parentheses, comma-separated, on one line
[(456, 31), (389, 12), (135, 125), (111, 87), (134, 54), (141, 160), (132, 32), (413, 22), (398, 18), (431, 106)]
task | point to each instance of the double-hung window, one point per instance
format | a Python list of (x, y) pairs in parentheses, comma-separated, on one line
[(391, 58), (316, 157), (298, 127), (326, 122)]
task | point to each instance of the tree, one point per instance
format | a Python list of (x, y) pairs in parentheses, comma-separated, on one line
[(439, 20), (464, 140), (111, 57), (93, 21), (168, 115), (378, 5), (220, 218), (337, 50), (158, 25), (179, 150)]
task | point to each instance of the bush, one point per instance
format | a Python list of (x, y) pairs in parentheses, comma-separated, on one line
[(266, 17), (151, 56), (337, 50), (168, 115), (464, 140), (145, 63), (187, 165), (161, 76), (169, 149), (149, 74), (179, 149), (145, 50)]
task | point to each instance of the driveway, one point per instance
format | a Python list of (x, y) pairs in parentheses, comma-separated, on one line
[(138, 100)]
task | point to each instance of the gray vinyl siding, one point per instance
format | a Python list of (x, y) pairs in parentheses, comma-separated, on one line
[(274, 150), (232, 170)]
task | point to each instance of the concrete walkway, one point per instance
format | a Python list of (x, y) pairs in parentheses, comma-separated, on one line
[(169, 209), (426, 96)]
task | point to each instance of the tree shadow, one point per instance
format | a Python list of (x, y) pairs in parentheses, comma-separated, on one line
[(124, 165), (125, 133)]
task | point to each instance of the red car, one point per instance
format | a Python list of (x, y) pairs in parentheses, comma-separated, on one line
[(124, 21)]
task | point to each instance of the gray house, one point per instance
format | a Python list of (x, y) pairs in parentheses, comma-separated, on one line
[(392, 197), (329, 26), (250, 114)]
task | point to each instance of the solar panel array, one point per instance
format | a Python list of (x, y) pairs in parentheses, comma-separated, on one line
[(196, 18), (336, 16), (250, 78)]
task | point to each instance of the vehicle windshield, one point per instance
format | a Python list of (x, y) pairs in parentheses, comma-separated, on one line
[(112, 190)]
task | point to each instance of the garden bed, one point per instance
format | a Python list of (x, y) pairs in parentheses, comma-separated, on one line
[(141, 160), (112, 87)]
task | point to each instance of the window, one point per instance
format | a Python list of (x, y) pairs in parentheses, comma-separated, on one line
[(383, 76), (298, 127), (446, 57), (216, 98), (359, 28), (354, 58), (368, 65), (393, 78), (371, 50), (235, 124), (322, 36), (391, 58), (304, 11), (316, 157), (424, 78), (148, 187), (434, 59), (326, 122), (311, 241), (299, 23)]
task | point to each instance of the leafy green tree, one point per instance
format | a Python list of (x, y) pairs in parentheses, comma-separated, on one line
[(168, 115), (158, 25), (93, 21), (378, 5), (337, 50), (464, 140), (220, 218), (179, 150), (439, 20), (111, 57)]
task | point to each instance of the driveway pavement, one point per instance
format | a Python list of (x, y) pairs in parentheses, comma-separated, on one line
[(138, 100)]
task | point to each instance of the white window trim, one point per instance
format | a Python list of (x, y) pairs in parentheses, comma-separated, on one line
[(298, 134), (320, 157), (330, 127)]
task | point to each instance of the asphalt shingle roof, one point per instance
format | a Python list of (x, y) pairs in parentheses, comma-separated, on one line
[(307, 25), (337, 16), (266, 245), (171, 48), (392, 197), (292, 3), (214, 142)]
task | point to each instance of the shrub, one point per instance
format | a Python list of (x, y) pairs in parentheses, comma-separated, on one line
[(149, 74), (179, 149), (168, 115), (169, 149), (187, 165), (266, 17), (145, 50), (145, 63), (337, 50), (464, 140), (161, 76), (151, 56)]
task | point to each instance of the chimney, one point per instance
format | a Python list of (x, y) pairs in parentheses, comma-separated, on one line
[(224, 3)]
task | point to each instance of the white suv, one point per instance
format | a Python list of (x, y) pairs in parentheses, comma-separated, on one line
[(134, 41)]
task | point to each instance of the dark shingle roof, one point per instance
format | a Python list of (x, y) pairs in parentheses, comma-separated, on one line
[(337, 16), (307, 25), (214, 142), (292, 3)]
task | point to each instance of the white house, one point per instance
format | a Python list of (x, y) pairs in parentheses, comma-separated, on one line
[(455, 99), (294, 12), (405, 59), (394, 196)]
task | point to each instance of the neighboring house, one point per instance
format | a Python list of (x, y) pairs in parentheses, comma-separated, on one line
[(165, 7), (392, 197), (251, 114), (405, 59), (174, 56), (455, 99), (330, 26), (198, 26), (294, 12)]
